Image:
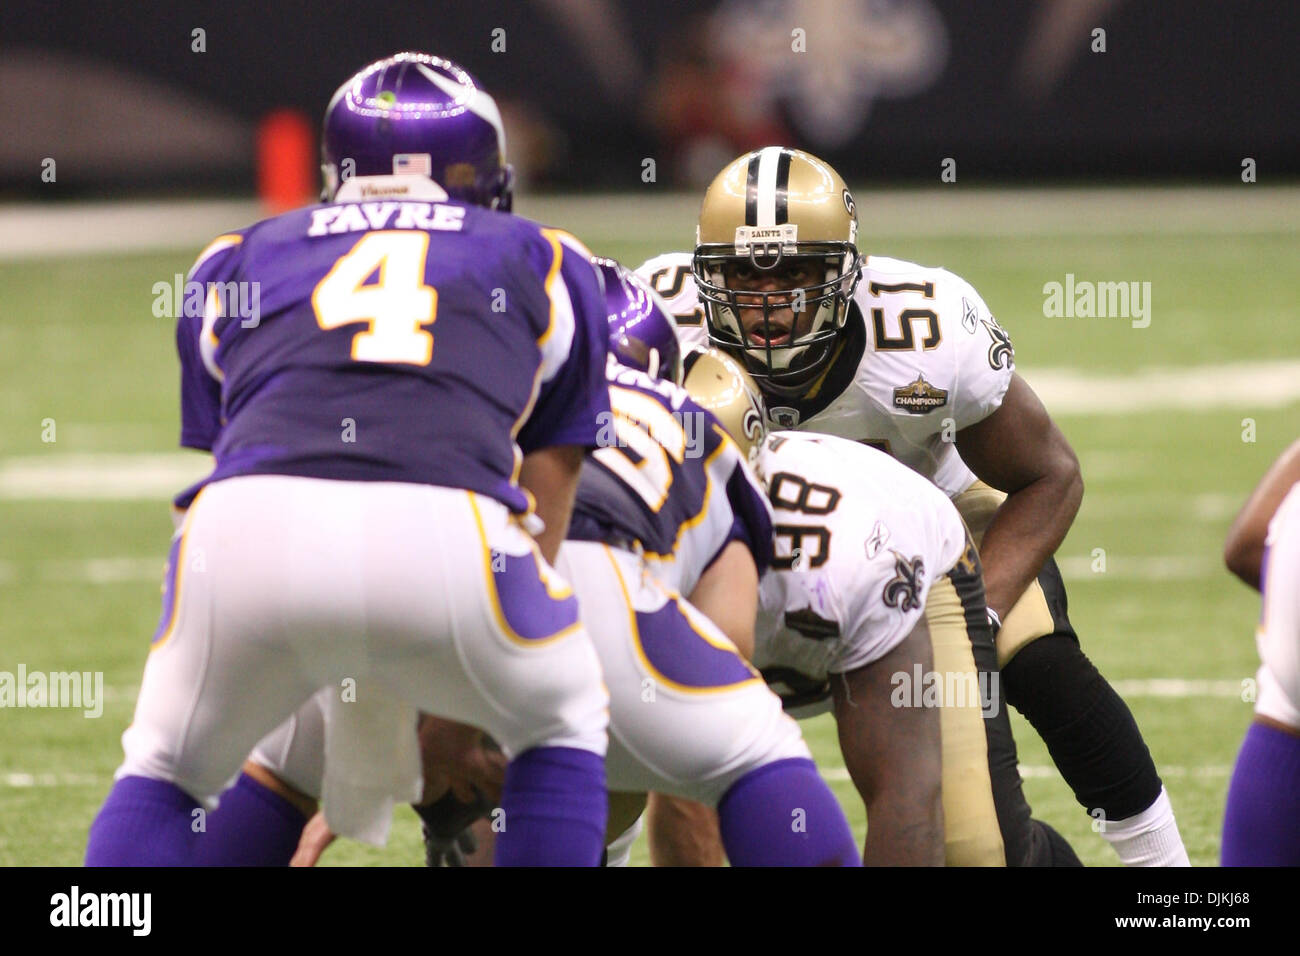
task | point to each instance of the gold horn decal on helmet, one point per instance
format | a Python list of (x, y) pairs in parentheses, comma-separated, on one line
[(719, 384)]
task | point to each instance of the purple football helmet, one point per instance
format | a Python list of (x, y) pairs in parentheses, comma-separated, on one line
[(416, 113), (642, 332)]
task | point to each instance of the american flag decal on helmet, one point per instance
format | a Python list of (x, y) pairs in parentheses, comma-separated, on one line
[(414, 164)]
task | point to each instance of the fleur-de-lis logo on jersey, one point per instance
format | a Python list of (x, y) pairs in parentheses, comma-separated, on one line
[(1001, 353), (903, 591)]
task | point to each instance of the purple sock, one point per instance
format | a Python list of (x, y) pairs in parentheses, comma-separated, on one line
[(143, 822), (253, 826), (783, 814), (1259, 824), (553, 809)]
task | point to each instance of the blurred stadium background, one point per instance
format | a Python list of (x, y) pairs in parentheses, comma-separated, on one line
[(1170, 158)]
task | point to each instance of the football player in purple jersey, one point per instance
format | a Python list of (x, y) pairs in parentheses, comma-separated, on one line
[(413, 398), (665, 507), (1263, 549)]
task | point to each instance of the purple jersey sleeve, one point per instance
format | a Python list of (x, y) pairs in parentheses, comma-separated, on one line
[(752, 525), (574, 395), (200, 387)]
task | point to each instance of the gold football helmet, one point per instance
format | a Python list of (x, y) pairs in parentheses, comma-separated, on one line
[(719, 384), (776, 263)]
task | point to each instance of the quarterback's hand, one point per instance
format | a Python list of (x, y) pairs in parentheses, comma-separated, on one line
[(446, 825), (316, 836), (448, 852)]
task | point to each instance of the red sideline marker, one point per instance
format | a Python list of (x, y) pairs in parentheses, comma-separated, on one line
[(286, 164)]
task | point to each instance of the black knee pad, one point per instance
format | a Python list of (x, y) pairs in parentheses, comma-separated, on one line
[(1088, 729)]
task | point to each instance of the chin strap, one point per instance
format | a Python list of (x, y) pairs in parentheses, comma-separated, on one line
[(799, 391), (505, 200), (830, 364)]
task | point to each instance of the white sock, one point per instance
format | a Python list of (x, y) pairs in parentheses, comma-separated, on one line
[(1150, 838)]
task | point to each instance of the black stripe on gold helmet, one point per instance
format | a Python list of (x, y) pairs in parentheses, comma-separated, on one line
[(776, 263)]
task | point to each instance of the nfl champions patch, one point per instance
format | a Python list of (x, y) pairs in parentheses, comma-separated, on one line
[(919, 397)]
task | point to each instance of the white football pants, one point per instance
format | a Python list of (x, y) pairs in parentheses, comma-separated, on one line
[(363, 594), (688, 715)]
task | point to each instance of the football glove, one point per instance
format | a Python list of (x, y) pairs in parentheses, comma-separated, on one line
[(445, 824)]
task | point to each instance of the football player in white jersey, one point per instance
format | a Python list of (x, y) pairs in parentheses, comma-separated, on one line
[(874, 608), (1263, 549), (909, 359)]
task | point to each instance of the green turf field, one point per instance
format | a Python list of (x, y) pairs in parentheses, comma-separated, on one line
[(82, 354)]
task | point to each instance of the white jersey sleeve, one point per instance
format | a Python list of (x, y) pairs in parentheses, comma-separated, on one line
[(985, 357), (859, 538), (936, 352), (670, 275)]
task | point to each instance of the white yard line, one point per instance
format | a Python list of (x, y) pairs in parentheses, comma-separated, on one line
[(1207, 772), (1177, 687), (1074, 568), (1039, 771), (1250, 386), (1164, 687), (56, 229), (668, 218), (1160, 687), (100, 476), (121, 570), (89, 571), (1123, 567), (25, 781), (93, 476), (126, 569), (18, 780), (105, 570), (1154, 501)]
